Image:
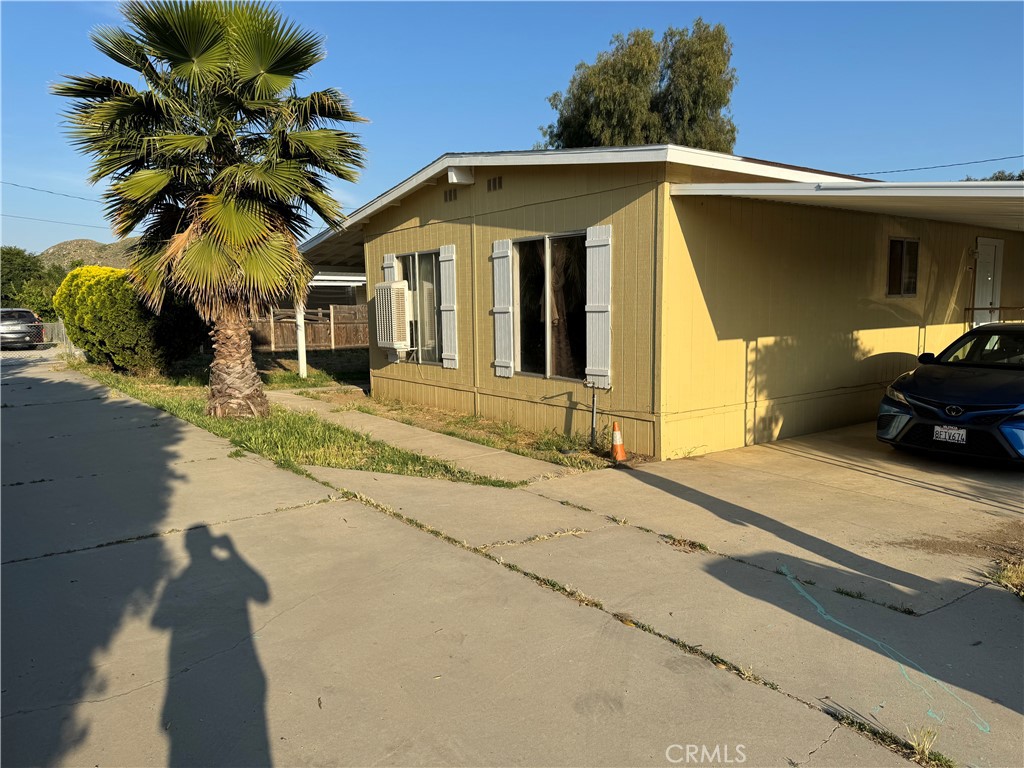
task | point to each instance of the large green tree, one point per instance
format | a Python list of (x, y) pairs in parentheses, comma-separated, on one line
[(219, 161), (645, 91), (1000, 176), (17, 266)]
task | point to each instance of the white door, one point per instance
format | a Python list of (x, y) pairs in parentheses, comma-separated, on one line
[(987, 273)]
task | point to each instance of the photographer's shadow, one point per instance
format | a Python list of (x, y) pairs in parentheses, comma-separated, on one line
[(215, 709)]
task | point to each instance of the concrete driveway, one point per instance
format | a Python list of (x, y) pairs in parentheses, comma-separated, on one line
[(849, 575), (837, 507), (167, 602)]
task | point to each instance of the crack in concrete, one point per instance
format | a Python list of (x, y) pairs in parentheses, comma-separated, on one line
[(178, 672), (577, 532), (171, 531), (794, 763), (55, 402), (883, 739)]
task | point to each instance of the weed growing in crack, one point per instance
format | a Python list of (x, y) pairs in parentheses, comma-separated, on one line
[(921, 741), (901, 608), (856, 595), (917, 748), (684, 544)]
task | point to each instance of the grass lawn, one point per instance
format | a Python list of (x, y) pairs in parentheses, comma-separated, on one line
[(289, 439)]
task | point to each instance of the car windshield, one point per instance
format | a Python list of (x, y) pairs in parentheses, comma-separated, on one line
[(17, 315), (999, 348)]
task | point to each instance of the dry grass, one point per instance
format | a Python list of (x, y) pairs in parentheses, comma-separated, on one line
[(567, 450), (1010, 574)]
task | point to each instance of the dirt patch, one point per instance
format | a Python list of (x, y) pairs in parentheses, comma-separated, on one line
[(1002, 542)]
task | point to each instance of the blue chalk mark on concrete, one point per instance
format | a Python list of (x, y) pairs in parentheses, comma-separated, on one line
[(902, 661), (935, 715)]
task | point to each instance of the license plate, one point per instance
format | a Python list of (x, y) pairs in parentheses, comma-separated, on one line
[(956, 435)]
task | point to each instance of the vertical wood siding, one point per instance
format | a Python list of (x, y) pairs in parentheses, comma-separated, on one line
[(777, 321), (531, 202)]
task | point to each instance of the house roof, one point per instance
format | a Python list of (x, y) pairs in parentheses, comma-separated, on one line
[(966, 202), (996, 204)]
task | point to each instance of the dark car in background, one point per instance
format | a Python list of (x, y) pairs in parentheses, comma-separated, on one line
[(967, 400), (20, 329)]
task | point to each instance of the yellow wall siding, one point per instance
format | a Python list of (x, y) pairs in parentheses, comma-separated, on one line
[(531, 202), (776, 319)]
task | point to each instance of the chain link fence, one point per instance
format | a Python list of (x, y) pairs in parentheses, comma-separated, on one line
[(55, 344)]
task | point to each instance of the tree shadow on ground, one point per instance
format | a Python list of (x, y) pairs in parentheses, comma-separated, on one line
[(930, 652), (89, 483)]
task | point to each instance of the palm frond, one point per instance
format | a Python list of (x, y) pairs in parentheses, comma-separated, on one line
[(232, 222), (91, 87), (191, 38), (215, 158)]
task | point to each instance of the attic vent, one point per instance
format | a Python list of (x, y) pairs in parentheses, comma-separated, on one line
[(450, 195), (493, 185), (392, 300)]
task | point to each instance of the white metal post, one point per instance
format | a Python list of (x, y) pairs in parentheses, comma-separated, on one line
[(300, 333)]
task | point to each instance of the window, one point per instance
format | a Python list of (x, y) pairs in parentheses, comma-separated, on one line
[(1003, 348), (422, 272), (552, 306), (902, 267), (550, 277)]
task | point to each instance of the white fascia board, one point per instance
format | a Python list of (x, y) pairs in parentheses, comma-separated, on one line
[(701, 158), (947, 189)]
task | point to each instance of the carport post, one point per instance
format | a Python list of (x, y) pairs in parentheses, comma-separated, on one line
[(300, 336)]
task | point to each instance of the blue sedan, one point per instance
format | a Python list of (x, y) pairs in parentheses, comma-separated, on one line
[(968, 399)]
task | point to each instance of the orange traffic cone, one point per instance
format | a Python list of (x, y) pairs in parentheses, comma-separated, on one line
[(618, 449)]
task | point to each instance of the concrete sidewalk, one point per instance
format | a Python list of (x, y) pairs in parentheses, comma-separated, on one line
[(166, 603), (490, 462)]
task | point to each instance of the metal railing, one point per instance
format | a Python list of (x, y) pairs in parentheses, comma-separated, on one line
[(980, 315)]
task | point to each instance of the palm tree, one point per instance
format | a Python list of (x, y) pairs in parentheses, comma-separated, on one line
[(218, 160)]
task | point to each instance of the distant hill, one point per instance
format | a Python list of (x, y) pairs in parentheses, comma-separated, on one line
[(89, 252)]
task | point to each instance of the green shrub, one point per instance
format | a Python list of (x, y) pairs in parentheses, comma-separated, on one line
[(103, 316)]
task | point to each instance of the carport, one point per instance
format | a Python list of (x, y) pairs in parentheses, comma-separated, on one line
[(986, 204)]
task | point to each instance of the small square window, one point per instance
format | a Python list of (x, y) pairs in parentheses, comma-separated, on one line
[(902, 267)]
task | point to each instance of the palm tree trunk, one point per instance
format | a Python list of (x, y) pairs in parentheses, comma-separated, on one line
[(235, 387)]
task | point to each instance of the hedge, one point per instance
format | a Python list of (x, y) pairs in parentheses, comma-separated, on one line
[(104, 317)]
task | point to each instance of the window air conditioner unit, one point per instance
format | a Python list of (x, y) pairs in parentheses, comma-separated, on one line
[(392, 300)]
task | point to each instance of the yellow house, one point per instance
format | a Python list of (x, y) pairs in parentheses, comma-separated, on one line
[(709, 301)]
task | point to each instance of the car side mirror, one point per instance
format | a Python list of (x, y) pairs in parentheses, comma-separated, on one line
[(925, 358)]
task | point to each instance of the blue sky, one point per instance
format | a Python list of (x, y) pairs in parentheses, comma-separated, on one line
[(845, 87)]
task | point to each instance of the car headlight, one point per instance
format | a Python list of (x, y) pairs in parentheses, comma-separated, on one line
[(895, 394)]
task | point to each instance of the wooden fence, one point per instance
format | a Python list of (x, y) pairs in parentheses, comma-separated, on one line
[(343, 326)]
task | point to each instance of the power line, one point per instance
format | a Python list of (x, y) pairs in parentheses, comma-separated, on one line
[(51, 192), (51, 221), (932, 167)]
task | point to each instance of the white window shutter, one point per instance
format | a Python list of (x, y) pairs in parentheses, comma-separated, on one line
[(449, 330), (390, 274), (599, 306), (504, 352)]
